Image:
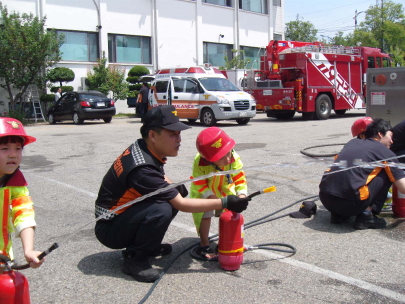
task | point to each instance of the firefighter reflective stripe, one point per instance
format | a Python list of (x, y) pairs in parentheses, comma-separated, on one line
[(17, 213), (364, 192), (4, 241), (216, 185), (128, 196), (389, 173), (232, 251)]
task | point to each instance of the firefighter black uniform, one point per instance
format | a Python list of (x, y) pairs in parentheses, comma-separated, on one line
[(141, 227), (398, 138), (350, 192)]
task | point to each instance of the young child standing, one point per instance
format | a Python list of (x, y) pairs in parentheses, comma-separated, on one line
[(215, 153), (16, 207)]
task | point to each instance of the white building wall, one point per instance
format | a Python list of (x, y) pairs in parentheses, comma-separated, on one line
[(182, 27)]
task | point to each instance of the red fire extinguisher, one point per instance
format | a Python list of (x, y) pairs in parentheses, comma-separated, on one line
[(398, 202), (13, 285), (230, 243)]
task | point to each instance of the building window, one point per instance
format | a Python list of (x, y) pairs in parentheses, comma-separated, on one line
[(214, 53), (129, 49), (277, 37), (219, 2), (79, 46), (258, 6), (253, 55), (276, 2)]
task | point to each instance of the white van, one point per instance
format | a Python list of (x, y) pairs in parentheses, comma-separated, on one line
[(201, 93)]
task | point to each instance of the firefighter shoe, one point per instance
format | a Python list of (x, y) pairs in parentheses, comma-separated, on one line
[(368, 221), (139, 268)]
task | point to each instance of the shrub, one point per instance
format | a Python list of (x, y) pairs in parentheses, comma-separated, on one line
[(47, 98)]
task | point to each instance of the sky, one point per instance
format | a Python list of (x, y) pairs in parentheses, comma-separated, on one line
[(329, 17)]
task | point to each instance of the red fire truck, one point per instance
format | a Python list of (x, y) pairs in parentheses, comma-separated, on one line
[(312, 79)]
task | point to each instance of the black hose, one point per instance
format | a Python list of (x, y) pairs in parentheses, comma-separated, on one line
[(304, 151), (215, 237)]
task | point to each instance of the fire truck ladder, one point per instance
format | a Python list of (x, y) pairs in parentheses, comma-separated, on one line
[(36, 103)]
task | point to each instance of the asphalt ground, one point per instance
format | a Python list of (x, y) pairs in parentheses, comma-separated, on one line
[(333, 263)]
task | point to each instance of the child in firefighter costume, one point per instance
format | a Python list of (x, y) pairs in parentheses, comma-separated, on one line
[(215, 153), (16, 207)]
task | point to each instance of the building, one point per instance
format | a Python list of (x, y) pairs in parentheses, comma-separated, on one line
[(156, 33)]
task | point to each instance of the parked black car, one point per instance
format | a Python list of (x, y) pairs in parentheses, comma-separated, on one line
[(81, 105)]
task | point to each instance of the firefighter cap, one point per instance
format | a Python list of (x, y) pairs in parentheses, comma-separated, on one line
[(13, 127), (164, 117), (213, 144), (306, 210), (360, 125)]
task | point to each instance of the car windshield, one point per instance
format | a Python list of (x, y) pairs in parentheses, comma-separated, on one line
[(218, 84), (92, 96)]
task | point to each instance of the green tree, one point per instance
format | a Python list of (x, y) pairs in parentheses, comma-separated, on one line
[(106, 79), (383, 23), (300, 30), (237, 61), (97, 79), (119, 87), (61, 74), (27, 49)]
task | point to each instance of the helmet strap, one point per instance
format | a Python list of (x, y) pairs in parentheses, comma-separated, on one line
[(228, 176)]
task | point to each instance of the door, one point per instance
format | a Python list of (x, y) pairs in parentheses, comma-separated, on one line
[(159, 93), (185, 97), (61, 109)]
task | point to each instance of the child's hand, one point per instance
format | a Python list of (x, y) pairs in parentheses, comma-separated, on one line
[(32, 258)]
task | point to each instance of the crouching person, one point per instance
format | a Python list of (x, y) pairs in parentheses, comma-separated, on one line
[(140, 228)]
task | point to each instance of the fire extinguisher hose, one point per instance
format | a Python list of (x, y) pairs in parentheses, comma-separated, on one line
[(259, 221), (40, 257)]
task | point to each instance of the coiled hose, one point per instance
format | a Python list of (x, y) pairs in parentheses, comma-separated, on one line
[(251, 224)]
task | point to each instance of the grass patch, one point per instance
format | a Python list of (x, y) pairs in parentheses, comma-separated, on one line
[(125, 116)]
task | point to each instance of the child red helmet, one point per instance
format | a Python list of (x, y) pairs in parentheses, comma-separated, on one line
[(213, 144), (360, 125), (13, 127)]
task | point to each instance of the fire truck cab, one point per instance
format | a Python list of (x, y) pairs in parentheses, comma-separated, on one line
[(201, 93)]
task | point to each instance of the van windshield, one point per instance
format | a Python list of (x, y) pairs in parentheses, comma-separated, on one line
[(218, 84)]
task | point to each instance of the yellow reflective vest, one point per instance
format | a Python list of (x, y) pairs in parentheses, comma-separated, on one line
[(216, 185), (16, 211)]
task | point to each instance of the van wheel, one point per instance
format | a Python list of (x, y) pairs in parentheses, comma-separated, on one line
[(242, 121), (208, 118), (191, 120), (323, 106)]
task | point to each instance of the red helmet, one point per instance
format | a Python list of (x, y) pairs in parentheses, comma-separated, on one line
[(360, 125), (13, 127), (213, 144)]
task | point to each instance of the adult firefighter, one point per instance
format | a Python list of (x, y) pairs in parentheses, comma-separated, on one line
[(361, 191), (215, 153), (398, 147), (140, 228)]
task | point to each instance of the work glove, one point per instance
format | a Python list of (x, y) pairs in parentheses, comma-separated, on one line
[(235, 203)]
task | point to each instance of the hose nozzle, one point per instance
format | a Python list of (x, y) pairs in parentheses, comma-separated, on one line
[(267, 190)]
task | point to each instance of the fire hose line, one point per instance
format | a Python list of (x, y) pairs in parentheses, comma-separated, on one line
[(305, 152), (248, 225)]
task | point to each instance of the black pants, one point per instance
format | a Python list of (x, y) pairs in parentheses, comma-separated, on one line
[(346, 207), (140, 228), (142, 109)]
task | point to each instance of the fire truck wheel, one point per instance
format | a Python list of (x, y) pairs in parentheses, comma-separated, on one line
[(323, 106), (242, 121), (208, 118), (285, 116), (340, 112)]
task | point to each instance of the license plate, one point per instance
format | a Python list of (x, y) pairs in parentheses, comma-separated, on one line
[(242, 114), (100, 104)]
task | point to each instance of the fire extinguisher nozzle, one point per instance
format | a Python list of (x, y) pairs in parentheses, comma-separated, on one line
[(270, 189)]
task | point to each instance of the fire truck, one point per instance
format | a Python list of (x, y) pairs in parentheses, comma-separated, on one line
[(312, 79)]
